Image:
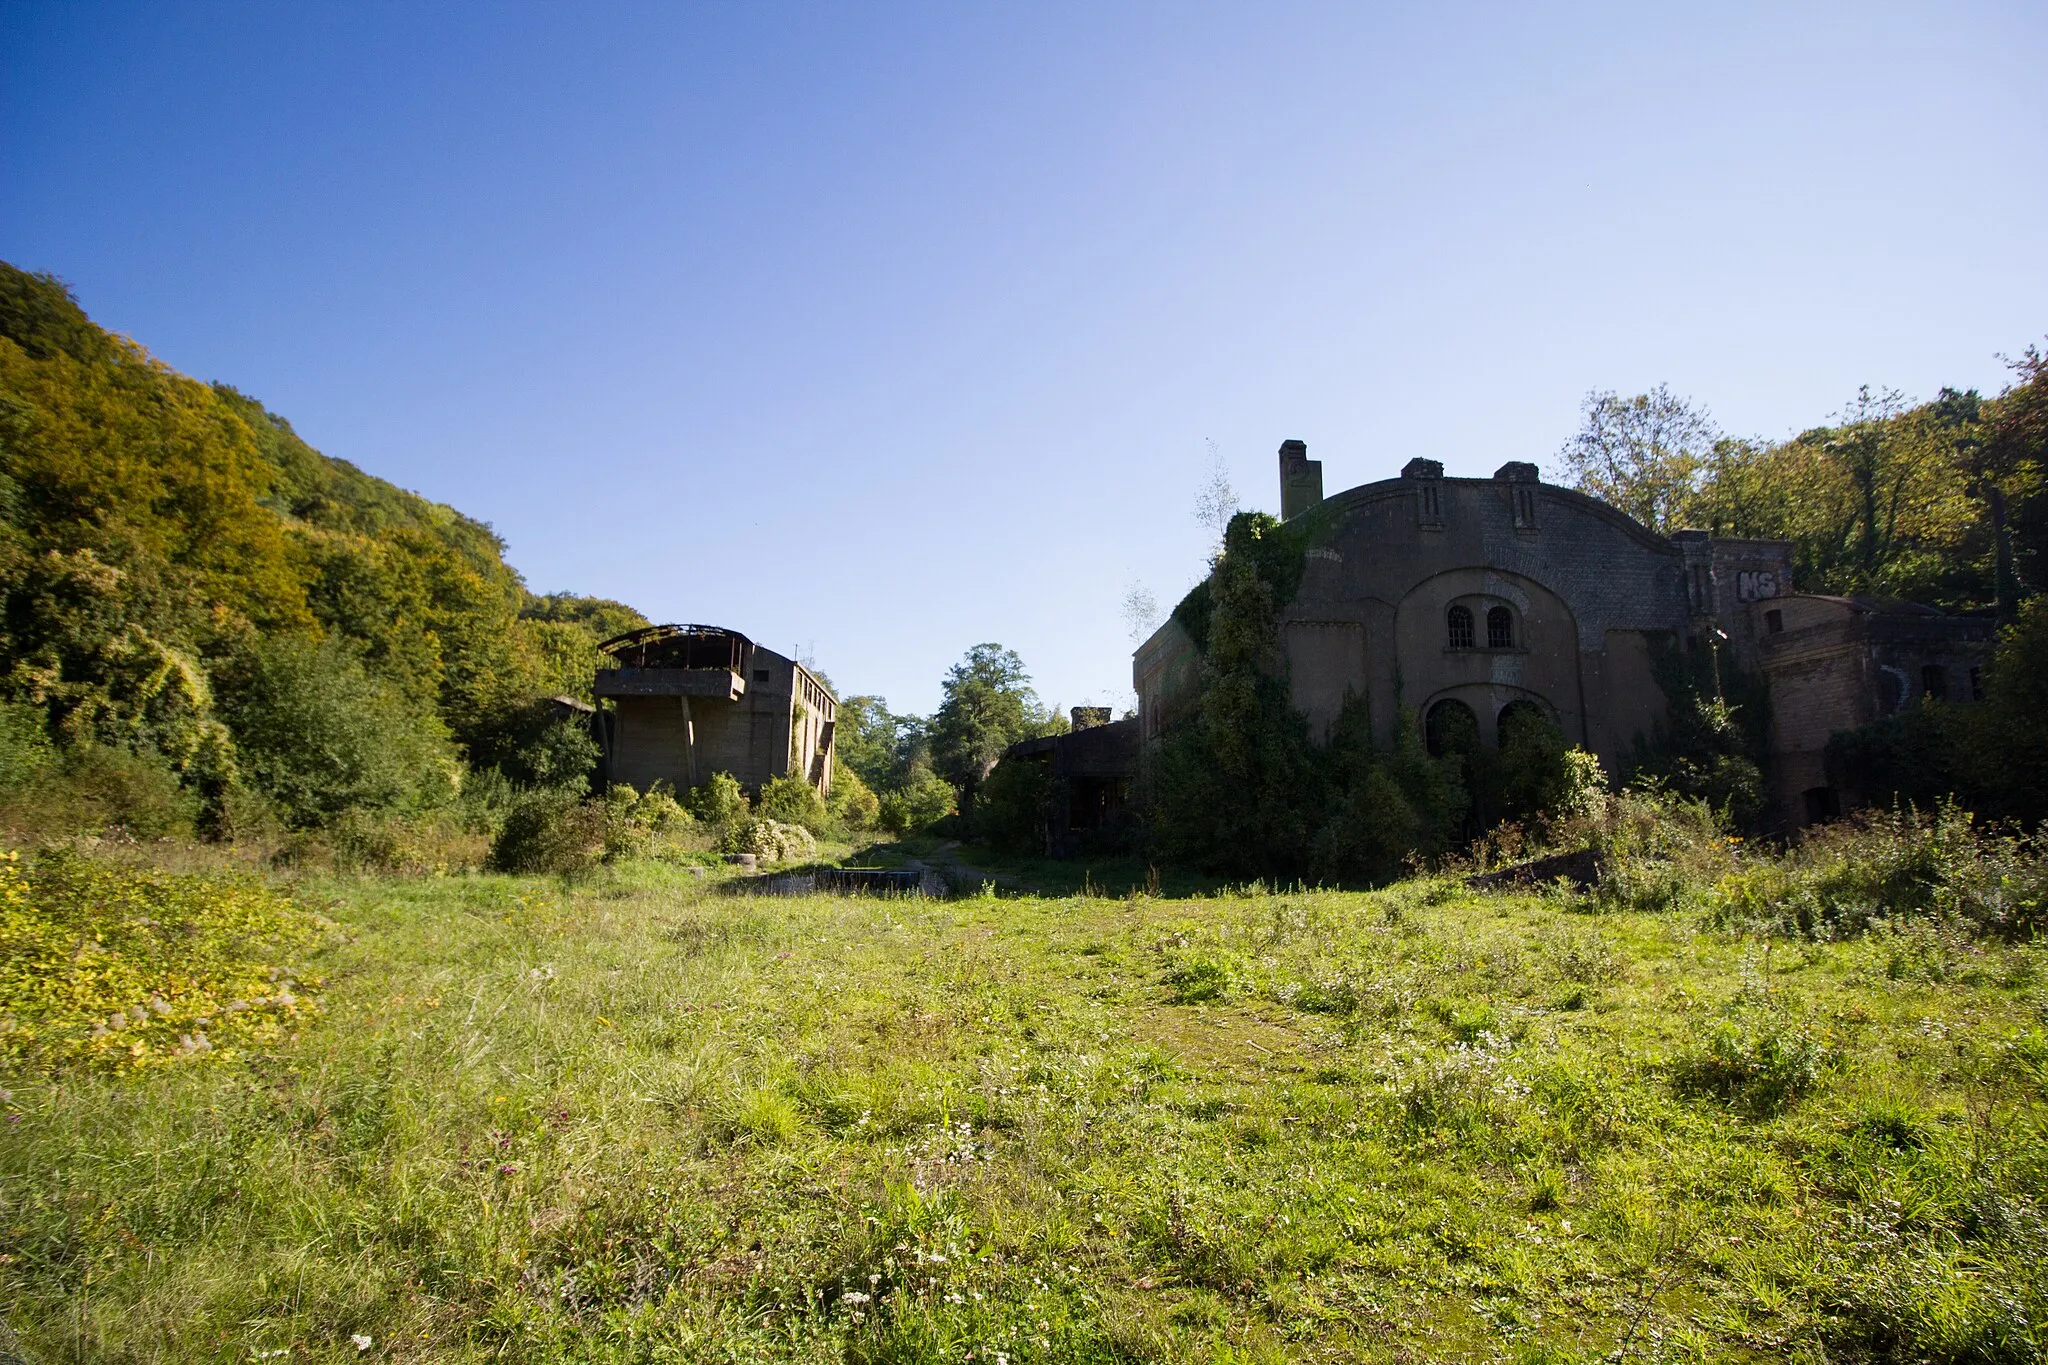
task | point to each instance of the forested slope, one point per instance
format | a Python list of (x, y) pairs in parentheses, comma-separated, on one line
[(189, 583)]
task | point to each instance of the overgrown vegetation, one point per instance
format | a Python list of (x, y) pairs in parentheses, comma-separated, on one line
[(108, 969), (1242, 789), (273, 635), (633, 1116), (1943, 502)]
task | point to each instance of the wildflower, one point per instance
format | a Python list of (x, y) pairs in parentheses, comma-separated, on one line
[(855, 1296), (362, 1343), (160, 1005)]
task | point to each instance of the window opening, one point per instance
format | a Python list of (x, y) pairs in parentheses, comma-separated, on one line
[(1500, 628), (1525, 508), (760, 675), (1460, 621), (1934, 682), (1976, 684), (1774, 622)]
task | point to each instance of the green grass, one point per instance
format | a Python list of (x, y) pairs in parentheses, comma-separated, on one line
[(639, 1118)]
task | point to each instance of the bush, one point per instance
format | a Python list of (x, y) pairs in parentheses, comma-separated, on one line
[(793, 801), (720, 801), (769, 840), (25, 749), (1900, 864), (415, 845), (320, 736), (852, 803), (93, 789), (549, 832), (536, 745), (923, 800), (1660, 851), (636, 826), (1014, 806), (114, 969), (1762, 1059)]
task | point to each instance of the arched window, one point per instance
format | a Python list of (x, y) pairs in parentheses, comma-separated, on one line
[(1450, 728), (1519, 714), (1500, 628), (1460, 620)]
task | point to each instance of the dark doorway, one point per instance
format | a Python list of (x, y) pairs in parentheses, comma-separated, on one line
[(1451, 727), (1822, 805), (1517, 714)]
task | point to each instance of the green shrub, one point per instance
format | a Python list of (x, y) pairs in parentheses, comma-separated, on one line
[(1197, 979), (793, 801), (320, 736), (1661, 851), (636, 826), (25, 749), (1761, 1058), (923, 800), (769, 840), (719, 801), (550, 832), (1892, 866), (114, 968), (852, 803), (390, 843), (93, 789), (1015, 805)]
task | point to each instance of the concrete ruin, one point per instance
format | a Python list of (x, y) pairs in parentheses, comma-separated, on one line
[(1441, 594), (1094, 765), (691, 701)]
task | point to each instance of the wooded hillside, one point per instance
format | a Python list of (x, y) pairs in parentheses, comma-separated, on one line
[(187, 580)]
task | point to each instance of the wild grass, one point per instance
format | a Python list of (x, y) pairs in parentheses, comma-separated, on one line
[(633, 1117)]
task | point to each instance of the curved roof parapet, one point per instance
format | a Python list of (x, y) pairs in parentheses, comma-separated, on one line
[(1418, 469), (680, 646)]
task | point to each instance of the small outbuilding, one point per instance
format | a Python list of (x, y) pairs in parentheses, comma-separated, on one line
[(690, 701), (1093, 765)]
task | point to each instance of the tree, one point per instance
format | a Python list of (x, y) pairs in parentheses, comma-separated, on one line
[(1216, 503), (989, 705), (1645, 455), (874, 742), (320, 736), (1140, 610), (2015, 460)]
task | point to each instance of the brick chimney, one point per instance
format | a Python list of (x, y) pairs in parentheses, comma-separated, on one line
[(1301, 480)]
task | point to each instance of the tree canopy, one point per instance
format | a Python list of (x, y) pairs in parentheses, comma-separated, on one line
[(161, 538)]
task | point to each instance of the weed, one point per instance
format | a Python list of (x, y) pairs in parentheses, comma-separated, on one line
[(1760, 1057)]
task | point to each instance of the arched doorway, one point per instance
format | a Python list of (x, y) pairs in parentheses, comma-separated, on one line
[(1519, 714), (1450, 728)]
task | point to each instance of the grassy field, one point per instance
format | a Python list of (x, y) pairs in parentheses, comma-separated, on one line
[(643, 1118)]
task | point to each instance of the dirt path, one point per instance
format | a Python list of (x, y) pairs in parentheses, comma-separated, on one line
[(963, 877)]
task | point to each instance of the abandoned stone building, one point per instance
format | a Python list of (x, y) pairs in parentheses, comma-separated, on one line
[(1462, 598), (1094, 764), (691, 701)]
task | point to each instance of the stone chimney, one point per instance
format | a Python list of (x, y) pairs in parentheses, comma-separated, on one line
[(1301, 480)]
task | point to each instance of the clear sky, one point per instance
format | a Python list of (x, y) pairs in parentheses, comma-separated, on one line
[(882, 330)]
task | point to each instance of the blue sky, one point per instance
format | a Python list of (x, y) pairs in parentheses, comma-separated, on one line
[(880, 331)]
